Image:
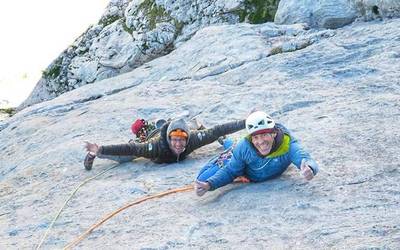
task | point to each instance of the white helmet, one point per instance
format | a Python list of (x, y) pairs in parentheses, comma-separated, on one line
[(259, 122)]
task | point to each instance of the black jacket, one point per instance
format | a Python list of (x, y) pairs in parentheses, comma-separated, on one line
[(157, 149)]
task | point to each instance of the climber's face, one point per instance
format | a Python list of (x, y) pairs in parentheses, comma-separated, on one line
[(178, 144), (263, 142)]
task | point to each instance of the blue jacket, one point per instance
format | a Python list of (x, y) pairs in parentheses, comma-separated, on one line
[(246, 161)]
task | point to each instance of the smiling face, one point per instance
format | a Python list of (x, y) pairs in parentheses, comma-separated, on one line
[(263, 142), (177, 144)]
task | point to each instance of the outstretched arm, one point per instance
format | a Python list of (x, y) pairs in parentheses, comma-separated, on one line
[(149, 150), (200, 138), (303, 161), (225, 175)]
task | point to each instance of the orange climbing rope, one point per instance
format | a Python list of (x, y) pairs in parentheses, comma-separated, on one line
[(105, 218), (241, 179)]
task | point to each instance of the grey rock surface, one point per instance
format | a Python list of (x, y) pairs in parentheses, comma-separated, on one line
[(133, 32), (129, 34), (333, 14), (337, 90)]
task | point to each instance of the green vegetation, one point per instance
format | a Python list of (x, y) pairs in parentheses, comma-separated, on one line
[(276, 50), (257, 11), (178, 27), (81, 52), (9, 111), (54, 71), (125, 27), (145, 46), (375, 10), (108, 20), (154, 13)]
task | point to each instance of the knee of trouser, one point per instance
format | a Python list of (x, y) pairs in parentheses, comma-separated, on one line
[(228, 143)]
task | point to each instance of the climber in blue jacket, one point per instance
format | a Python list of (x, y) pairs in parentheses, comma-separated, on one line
[(265, 153)]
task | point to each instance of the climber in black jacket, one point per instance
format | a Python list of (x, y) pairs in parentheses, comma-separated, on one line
[(174, 142)]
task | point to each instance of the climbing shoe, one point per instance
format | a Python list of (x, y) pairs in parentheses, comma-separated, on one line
[(88, 162)]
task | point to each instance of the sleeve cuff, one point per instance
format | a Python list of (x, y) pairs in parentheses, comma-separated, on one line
[(211, 186), (314, 167)]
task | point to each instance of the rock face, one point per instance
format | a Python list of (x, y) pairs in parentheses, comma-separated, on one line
[(333, 14), (326, 14), (131, 33), (337, 90)]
